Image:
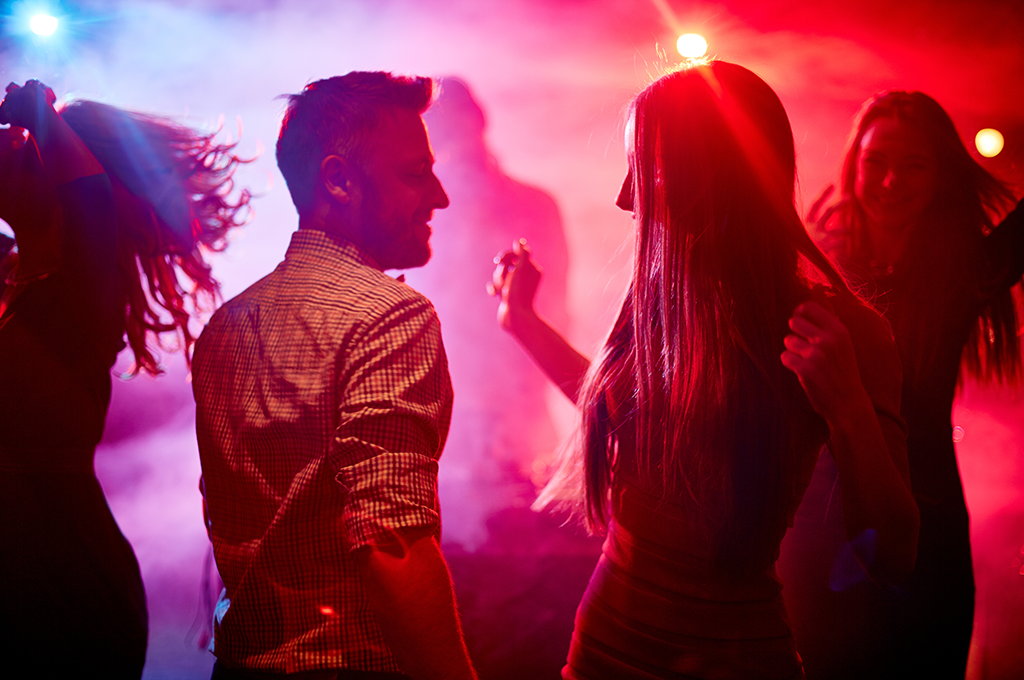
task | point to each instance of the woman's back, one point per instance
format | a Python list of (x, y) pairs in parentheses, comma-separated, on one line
[(661, 599)]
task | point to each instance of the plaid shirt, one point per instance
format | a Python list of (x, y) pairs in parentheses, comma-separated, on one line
[(323, 402)]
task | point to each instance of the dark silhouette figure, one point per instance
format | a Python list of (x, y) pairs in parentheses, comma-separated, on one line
[(913, 227), (109, 209), (502, 438), (518, 576)]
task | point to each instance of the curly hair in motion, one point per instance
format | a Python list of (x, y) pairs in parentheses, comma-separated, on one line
[(174, 197)]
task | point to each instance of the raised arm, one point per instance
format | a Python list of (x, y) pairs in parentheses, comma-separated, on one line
[(64, 219), (879, 511), (1004, 250), (515, 280), (64, 156)]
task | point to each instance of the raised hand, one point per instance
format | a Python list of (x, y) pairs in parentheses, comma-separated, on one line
[(515, 280), (819, 350), (24, 106)]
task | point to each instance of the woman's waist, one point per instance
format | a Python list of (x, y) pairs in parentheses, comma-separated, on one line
[(73, 460), (700, 605), (684, 559)]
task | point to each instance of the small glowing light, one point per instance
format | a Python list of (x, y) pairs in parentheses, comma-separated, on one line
[(43, 24), (958, 433), (327, 611), (989, 142), (692, 46)]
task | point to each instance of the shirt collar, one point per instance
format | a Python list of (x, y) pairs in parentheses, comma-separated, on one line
[(315, 244)]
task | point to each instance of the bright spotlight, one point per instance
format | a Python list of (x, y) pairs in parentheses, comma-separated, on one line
[(692, 46), (43, 24), (989, 142)]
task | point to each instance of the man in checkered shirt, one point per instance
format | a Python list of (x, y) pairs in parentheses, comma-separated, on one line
[(323, 402)]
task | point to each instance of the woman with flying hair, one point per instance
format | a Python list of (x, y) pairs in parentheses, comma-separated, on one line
[(111, 212), (914, 228), (727, 369)]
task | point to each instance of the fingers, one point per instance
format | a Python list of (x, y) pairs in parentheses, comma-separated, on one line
[(795, 343), (814, 322), (815, 313), (505, 262), (794, 362), (47, 92), (521, 249), (24, 105)]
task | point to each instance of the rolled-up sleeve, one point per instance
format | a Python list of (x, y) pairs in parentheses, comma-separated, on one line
[(394, 406)]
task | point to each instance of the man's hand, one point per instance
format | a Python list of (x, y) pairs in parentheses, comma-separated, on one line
[(410, 592)]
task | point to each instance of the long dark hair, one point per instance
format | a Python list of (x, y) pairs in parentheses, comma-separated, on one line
[(968, 201), (722, 258), (174, 198)]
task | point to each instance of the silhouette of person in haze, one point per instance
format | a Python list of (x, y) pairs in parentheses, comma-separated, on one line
[(502, 436), (914, 224), (109, 209)]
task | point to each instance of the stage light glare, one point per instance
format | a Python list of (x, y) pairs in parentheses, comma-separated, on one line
[(692, 46), (989, 142), (43, 24)]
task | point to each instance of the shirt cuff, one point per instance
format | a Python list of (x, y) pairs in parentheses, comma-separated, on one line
[(387, 493)]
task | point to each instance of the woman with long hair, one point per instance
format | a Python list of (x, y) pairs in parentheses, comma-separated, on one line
[(914, 228), (727, 369), (111, 213)]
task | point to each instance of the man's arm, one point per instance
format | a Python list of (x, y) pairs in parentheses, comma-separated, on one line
[(410, 592), (394, 410)]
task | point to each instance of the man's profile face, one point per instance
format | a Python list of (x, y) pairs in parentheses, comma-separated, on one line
[(399, 192)]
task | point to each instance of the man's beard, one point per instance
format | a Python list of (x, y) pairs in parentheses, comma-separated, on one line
[(394, 246)]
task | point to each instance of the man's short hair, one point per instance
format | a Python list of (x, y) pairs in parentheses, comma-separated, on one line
[(337, 116)]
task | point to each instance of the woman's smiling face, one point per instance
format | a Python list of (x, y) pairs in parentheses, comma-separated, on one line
[(897, 174)]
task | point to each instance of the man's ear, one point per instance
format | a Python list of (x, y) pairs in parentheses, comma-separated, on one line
[(338, 179)]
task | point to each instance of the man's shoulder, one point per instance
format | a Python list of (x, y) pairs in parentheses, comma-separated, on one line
[(346, 294), (369, 295)]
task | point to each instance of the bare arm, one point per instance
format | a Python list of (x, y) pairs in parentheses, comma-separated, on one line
[(410, 592), (64, 156), (874, 476), (516, 278), (1004, 252)]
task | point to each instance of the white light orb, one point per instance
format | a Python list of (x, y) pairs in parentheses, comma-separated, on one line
[(692, 46), (989, 142), (43, 24)]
